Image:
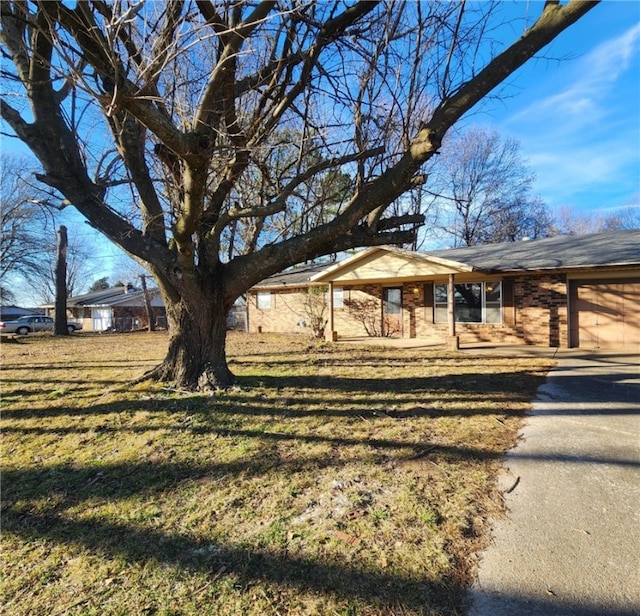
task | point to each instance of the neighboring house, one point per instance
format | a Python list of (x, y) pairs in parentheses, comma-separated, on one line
[(11, 313), (564, 291), (116, 308), (122, 309)]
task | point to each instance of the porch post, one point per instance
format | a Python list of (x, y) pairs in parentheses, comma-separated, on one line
[(333, 335), (453, 342)]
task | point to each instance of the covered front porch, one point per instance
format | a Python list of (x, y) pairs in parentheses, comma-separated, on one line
[(394, 295)]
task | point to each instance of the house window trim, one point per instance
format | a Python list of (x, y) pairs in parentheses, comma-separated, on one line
[(338, 298), (483, 294), (264, 301)]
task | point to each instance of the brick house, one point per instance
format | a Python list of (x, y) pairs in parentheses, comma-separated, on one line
[(120, 308), (564, 291)]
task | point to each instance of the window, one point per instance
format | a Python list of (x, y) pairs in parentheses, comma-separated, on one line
[(493, 302), (393, 301), (338, 297), (440, 303), (475, 302), (263, 300)]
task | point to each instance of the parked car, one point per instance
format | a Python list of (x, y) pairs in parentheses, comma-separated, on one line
[(27, 324)]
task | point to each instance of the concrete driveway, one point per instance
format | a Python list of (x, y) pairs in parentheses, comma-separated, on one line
[(571, 542)]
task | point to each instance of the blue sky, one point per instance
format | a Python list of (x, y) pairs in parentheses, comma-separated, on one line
[(576, 109), (576, 112)]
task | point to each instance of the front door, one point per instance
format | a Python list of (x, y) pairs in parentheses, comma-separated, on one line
[(392, 312)]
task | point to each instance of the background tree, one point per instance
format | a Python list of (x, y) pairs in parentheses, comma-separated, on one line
[(99, 285), (28, 243), (80, 267), (220, 117), (570, 221), (482, 189), (60, 324), (22, 224)]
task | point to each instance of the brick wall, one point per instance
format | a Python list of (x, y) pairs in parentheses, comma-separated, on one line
[(283, 315), (286, 314), (541, 310), (350, 321), (534, 312)]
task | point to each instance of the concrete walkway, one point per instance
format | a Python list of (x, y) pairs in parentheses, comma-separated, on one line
[(571, 542)]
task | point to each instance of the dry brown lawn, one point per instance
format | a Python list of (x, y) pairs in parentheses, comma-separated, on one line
[(333, 480)]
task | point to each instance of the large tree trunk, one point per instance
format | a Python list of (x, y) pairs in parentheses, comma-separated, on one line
[(196, 357)]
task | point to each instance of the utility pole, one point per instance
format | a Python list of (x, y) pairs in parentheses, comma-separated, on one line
[(147, 303), (60, 322)]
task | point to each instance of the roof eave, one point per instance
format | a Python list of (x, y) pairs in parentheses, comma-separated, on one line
[(285, 285), (564, 268), (456, 267)]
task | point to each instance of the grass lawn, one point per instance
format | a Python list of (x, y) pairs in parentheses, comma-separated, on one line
[(333, 480)]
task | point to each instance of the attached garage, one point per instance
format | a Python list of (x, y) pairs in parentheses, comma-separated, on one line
[(605, 314), (578, 291)]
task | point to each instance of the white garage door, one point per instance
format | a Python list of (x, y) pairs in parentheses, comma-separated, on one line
[(606, 315), (101, 319)]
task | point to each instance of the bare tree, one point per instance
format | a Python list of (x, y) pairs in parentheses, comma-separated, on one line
[(151, 320), (22, 226), (28, 242), (570, 221), (482, 189), (367, 312), (80, 267), (226, 115), (315, 307)]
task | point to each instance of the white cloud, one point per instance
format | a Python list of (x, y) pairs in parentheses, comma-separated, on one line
[(590, 81), (582, 139)]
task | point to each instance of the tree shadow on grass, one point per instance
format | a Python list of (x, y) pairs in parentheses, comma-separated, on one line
[(473, 382), (381, 590), (65, 486), (36, 501), (337, 396), (338, 579)]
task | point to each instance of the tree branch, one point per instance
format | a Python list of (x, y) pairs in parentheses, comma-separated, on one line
[(394, 222), (554, 19), (80, 25), (223, 73)]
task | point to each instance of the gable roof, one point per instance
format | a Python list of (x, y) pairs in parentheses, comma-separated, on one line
[(113, 296), (101, 297), (13, 310), (562, 252), (389, 262)]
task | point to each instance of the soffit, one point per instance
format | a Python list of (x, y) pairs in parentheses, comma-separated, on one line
[(387, 265)]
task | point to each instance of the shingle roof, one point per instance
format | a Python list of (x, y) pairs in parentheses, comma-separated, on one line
[(101, 297), (111, 297), (614, 248), (300, 275), (560, 252)]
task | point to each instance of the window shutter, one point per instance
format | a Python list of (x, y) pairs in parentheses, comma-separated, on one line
[(508, 302), (428, 303)]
